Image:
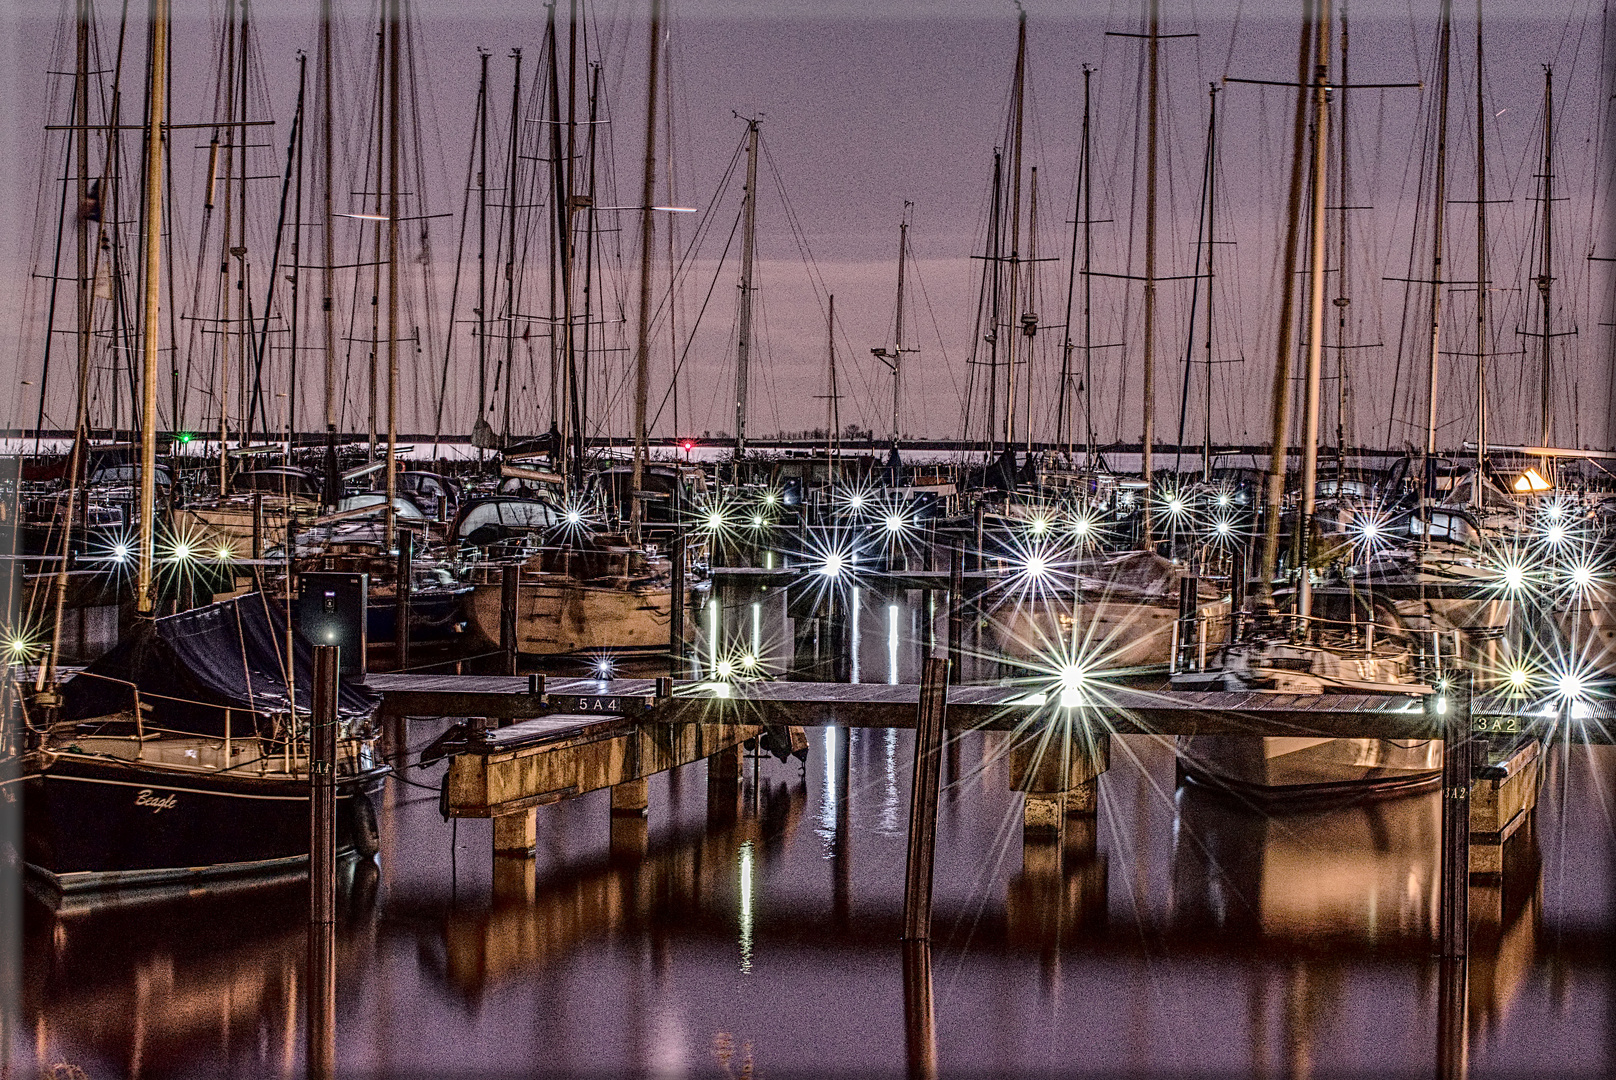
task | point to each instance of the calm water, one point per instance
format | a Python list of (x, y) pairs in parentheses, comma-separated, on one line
[(1183, 934)]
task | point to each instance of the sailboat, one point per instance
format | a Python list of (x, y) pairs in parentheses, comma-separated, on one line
[(183, 753)]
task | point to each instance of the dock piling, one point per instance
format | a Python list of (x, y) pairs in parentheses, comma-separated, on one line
[(509, 581), (1449, 711), (322, 974), (919, 1014), (401, 599), (956, 609), (929, 727)]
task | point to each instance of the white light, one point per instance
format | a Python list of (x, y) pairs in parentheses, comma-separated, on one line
[(574, 518), (1175, 506), (1082, 525), (856, 502), (1223, 498), (1040, 525), (757, 521), (120, 552), (1569, 684), (1222, 527), (1519, 677), (1555, 535), (894, 523), (603, 668), (834, 564), (19, 646), (1036, 566), (1555, 510), (748, 661), (724, 669), (1514, 576), (182, 550), (224, 554), (715, 520), (1073, 680), (1582, 575), (770, 498)]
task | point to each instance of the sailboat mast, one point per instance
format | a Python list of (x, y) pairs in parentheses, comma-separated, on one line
[(1315, 315), (1017, 106), (1063, 406), (222, 388), (394, 28), (832, 421), (1211, 279), (1342, 301), (1088, 278), (482, 236), (743, 343), (510, 240), (156, 119), (1440, 196), (1148, 432), (1274, 497), (642, 355), (328, 304), (1481, 273), (1545, 280), (897, 336)]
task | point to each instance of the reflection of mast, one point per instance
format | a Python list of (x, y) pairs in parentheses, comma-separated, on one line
[(152, 212)]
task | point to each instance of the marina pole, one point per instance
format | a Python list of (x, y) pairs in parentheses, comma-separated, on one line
[(322, 974), (919, 1015), (156, 118), (923, 800), (402, 598), (676, 606), (1448, 710), (956, 608), (509, 581)]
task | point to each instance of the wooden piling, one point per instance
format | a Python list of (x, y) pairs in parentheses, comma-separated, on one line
[(676, 608), (402, 598), (929, 722), (956, 610), (1449, 712), (919, 1014), (509, 582), (322, 973)]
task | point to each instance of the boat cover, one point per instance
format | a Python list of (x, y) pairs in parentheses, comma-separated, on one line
[(190, 667)]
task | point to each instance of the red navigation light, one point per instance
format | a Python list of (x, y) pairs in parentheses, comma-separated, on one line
[(687, 445)]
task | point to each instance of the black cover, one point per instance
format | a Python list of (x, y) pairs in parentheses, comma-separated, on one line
[(230, 654)]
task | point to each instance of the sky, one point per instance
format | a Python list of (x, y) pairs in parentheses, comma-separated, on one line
[(860, 112)]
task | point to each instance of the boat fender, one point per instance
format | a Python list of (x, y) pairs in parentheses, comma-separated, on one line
[(362, 825)]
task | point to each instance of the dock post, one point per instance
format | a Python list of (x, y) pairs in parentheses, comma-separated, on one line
[(929, 727), (956, 609), (1058, 769), (401, 599), (676, 609), (919, 1015), (322, 974), (257, 525), (509, 580), (1448, 711)]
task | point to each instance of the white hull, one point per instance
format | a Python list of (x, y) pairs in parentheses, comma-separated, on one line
[(1300, 767)]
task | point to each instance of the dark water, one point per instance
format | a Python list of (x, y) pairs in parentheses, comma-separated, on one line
[(1181, 934)]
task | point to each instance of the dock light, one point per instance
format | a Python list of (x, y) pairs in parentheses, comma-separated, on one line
[(835, 563), (603, 668), (1514, 576), (1555, 510), (573, 517), (1040, 526), (182, 550), (1175, 506), (724, 669), (1037, 566), (1570, 685), (1082, 525), (18, 649), (895, 523), (120, 552), (771, 497), (1554, 535), (1582, 575), (714, 520), (856, 500), (1223, 499), (1223, 528), (757, 521), (1519, 677), (748, 662), (224, 552)]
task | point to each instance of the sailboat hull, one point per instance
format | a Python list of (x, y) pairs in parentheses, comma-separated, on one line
[(556, 618), (95, 822), (1310, 768)]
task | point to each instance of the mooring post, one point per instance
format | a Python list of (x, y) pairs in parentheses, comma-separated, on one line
[(405, 572), (1448, 710), (956, 609), (1237, 592), (509, 580), (677, 602), (258, 525), (919, 1015), (923, 798), (322, 974)]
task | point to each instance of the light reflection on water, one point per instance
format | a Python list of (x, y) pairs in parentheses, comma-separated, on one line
[(1177, 930)]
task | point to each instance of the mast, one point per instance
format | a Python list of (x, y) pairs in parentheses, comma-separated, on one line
[(1481, 273), (1315, 315), (1063, 407), (642, 355), (1029, 318), (81, 432), (1545, 279), (223, 378), (1342, 301), (156, 119), (1211, 280), (743, 343), (1148, 433), (893, 358), (1088, 278), (482, 240), (1273, 500), (328, 252), (394, 26), (1445, 39), (1017, 106), (832, 419), (510, 240)]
